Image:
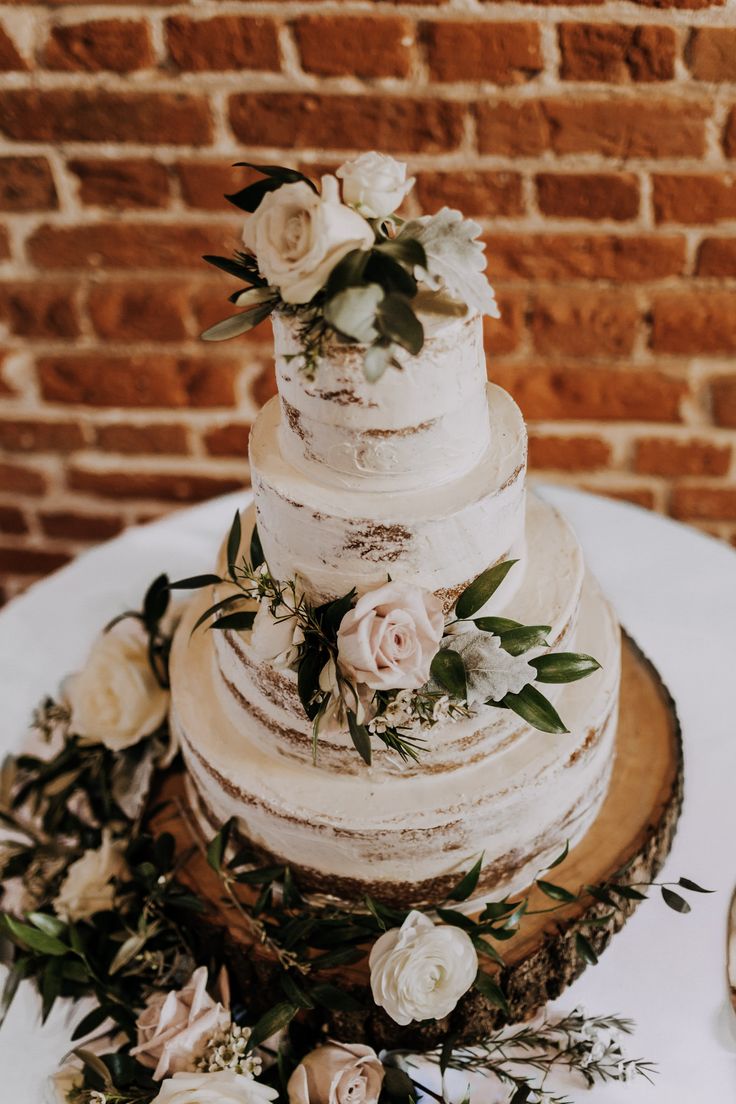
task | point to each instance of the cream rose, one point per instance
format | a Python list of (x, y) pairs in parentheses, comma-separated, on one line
[(115, 699), (222, 1087), (87, 887), (375, 184), (174, 1028), (420, 970), (298, 236), (276, 634), (388, 640), (337, 1073)]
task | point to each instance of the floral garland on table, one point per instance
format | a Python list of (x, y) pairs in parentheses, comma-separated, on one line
[(388, 663), (348, 266), (94, 906)]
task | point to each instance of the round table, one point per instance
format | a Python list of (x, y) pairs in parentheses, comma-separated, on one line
[(674, 590)]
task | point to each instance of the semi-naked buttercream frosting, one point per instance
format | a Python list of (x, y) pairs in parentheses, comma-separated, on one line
[(418, 477)]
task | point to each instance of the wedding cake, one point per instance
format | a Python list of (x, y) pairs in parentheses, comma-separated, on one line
[(357, 683)]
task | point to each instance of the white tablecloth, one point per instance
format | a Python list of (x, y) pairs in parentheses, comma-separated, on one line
[(675, 591)]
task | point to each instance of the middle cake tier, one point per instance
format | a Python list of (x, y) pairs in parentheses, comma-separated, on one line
[(437, 537)]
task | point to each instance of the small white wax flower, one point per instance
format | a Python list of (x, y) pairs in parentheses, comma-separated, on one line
[(375, 184), (88, 886), (420, 970)]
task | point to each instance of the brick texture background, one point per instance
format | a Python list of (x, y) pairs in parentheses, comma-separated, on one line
[(596, 143)]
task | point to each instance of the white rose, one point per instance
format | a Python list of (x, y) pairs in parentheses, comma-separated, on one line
[(388, 640), (116, 699), (419, 971), (221, 1087), (374, 183), (337, 1073), (175, 1027), (490, 672), (298, 236), (87, 887), (276, 634)]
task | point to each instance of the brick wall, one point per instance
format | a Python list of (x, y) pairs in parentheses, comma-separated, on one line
[(596, 143)]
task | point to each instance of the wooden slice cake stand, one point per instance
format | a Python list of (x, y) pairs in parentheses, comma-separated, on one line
[(634, 828)]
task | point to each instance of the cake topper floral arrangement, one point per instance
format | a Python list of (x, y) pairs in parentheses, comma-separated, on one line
[(97, 904), (340, 259)]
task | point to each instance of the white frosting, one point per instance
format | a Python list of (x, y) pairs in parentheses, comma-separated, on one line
[(422, 423), (438, 537)]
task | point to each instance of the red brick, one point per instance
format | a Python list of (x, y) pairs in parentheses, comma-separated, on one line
[(691, 5), (224, 42), (694, 198), (660, 456), (149, 439), (588, 195), (263, 387), (503, 53), (94, 115), (178, 486), (704, 503), (503, 335), (10, 57), (39, 309), (204, 184), (26, 184), (545, 392), (694, 323), (616, 128), (584, 323), (568, 453), (616, 52), (123, 184), (485, 194), (15, 479), (130, 245), (729, 136), (717, 257), (140, 309), (305, 120), (82, 527), (12, 520), (711, 53), (228, 440), (587, 256), (724, 401), (120, 45), (31, 561), (4, 243), (360, 46), (32, 435), (138, 381)]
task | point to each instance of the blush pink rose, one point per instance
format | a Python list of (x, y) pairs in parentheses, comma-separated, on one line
[(337, 1073), (174, 1028), (388, 640)]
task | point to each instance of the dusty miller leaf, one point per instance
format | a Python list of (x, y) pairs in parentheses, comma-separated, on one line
[(455, 257)]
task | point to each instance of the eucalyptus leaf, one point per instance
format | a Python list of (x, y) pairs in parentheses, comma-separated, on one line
[(397, 322), (496, 625), (448, 669), (477, 593), (237, 268), (535, 709), (238, 324), (564, 666), (468, 882), (128, 950), (253, 297)]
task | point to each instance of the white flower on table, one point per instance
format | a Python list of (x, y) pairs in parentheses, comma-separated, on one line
[(175, 1027), (299, 235), (389, 638), (276, 634), (375, 184), (222, 1087), (420, 970), (88, 886), (116, 699), (337, 1073), (490, 672)]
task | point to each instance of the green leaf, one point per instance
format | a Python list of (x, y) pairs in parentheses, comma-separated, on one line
[(398, 1087), (279, 173), (91, 1060), (274, 1020), (238, 324), (556, 892), (254, 297), (494, 910), (361, 738), (456, 919), (397, 321), (484, 947), (127, 951), (242, 268), (347, 273), (224, 603), (34, 939), (564, 666), (535, 709), (475, 596), (52, 925), (674, 900), (15, 975), (256, 549), (307, 680), (468, 882), (195, 582), (496, 625), (600, 895), (234, 538), (518, 641), (337, 1000), (240, 621), (407, 251), (693, 886), (343, 956), (585, 949), (217, 845), (294, 993), (627, 892), (491, 990), (560, 858), (263, 876), (448, 669), (156, 602), (330, 614), (382, 269)]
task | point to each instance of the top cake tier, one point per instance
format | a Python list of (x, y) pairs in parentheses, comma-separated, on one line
[(425, 423)]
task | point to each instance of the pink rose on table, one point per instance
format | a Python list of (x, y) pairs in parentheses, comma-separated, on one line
[(174, 1028), (337, 1073), (388, 640)]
